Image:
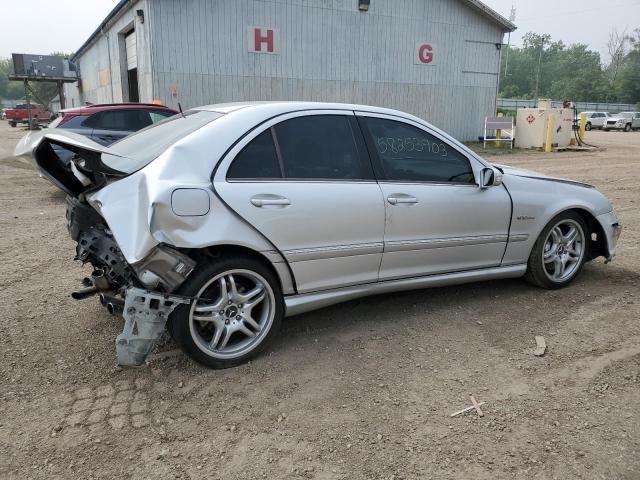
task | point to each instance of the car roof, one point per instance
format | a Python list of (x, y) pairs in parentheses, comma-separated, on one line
[(98, 107), (285, 106)]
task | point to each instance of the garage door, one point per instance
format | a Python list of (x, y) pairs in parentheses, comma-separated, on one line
[(132, 54)]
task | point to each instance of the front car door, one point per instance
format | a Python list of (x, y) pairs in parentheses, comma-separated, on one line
[(305, 182), (437, 218)]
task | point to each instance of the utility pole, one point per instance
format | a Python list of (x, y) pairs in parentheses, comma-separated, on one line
[(535, 96), (512, 18)]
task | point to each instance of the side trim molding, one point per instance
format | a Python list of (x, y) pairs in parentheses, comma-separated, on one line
[(318, 253), (405, 245), (307, 302)]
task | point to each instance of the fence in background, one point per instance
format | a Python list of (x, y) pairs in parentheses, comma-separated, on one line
[(512, 104)]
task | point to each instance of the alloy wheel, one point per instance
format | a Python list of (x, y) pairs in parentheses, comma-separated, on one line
[(232, 314), (563, 250)]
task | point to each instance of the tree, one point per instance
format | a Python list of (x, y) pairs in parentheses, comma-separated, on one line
[(628, 85), (572, 72)]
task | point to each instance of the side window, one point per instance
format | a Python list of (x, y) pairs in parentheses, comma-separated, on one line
[(125, 120), (159, 115), (318, 147), (408, 153), (257, 160), (75, 122)]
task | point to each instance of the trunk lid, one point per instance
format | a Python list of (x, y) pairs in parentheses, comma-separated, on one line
[(86, 170)]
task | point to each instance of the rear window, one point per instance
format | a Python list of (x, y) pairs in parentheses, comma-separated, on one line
[(141, 147)]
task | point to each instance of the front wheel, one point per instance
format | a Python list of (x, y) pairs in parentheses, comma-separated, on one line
[(236, 312), (587, 127), (627, 127), (13, 124), (559, 252)]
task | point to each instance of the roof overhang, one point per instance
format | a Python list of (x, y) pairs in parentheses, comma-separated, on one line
[(477, 5), (491, 14)]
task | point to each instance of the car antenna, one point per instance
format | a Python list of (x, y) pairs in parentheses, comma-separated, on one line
[(181, 112)]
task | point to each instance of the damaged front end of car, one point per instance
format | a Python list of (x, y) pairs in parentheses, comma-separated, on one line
[(142, 291)]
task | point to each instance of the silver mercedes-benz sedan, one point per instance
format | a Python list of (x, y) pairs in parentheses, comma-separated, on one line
[(218, 222)]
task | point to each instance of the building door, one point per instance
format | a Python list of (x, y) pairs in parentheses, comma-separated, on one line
[(132, 66)]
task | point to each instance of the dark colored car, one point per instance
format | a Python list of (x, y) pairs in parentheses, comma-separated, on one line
[(109, 122)]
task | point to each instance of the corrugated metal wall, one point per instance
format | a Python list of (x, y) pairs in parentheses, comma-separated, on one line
[(330, 51), (103, 65)]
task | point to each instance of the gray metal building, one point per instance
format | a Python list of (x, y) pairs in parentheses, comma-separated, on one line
[(438, 59)]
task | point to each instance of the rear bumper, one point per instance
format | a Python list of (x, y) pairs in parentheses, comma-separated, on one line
[(612, 229)]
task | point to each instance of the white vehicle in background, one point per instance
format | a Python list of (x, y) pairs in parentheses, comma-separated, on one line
[(595, 119), (626, 121)]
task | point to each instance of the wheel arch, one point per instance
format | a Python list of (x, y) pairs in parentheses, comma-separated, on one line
[(272, 260), (598, 244)]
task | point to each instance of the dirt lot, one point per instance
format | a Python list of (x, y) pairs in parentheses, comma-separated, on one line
[(362, 390)]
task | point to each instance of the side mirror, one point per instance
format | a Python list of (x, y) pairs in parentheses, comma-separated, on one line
[(489, 177)]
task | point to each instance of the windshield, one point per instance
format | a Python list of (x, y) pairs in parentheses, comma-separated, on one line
[(141, 147)]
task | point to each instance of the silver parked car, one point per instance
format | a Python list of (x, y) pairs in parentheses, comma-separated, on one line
[(626, 121), (595, 119), (220, 222)]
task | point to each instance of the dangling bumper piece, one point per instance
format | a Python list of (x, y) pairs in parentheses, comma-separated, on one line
[(145, 314)]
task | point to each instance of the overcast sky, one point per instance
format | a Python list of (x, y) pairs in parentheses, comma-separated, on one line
[(63, 25)]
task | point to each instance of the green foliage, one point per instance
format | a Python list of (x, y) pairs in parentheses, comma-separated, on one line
[(569, 72)]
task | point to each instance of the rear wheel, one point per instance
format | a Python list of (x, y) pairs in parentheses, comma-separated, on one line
[(13, 124), (236, 312), (587, 127), (559, 252)]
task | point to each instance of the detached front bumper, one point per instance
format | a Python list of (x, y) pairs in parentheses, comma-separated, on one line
[(612, 230)]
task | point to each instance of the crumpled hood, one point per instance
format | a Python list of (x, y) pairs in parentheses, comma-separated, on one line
[(519, 172)]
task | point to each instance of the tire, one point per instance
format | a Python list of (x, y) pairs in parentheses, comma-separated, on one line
[(227, 313), (627, 127), (13, 124), (548, 252), (587, 127)]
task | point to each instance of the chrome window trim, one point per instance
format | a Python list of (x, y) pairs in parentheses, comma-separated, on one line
[(304, 180), (225, 163)]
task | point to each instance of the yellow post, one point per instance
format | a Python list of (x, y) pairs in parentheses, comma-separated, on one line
[(583, 124), (498, 134), (549, 140)]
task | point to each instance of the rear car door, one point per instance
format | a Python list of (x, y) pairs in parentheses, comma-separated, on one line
[(304, 181), (437, 218)]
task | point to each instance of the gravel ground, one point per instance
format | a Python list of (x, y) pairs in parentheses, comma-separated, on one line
[(361, 390)]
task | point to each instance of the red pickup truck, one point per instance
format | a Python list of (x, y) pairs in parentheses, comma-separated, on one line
[(20, 114)]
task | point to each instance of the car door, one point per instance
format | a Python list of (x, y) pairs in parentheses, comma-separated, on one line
[(305, 182), (437, 218), (636, 120)]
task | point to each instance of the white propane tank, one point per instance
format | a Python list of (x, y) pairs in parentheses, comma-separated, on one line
[(532, 125)]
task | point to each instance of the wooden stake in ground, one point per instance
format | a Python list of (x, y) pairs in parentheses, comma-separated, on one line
[(476, 405)]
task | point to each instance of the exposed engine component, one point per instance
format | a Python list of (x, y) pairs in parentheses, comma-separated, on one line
[(145, 314), (98, 247), (164, 268)]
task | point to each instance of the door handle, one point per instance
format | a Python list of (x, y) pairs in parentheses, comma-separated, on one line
[(270, 200), (397, 198)]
